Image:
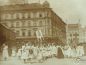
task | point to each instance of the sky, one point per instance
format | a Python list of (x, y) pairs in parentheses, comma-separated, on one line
[(71, 11)]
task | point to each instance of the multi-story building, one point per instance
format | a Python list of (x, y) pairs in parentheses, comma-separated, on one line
[(26, 19), (73, 34)]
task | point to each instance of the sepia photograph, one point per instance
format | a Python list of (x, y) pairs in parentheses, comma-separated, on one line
[(42, 32)]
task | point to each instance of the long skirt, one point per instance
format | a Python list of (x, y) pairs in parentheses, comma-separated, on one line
[(60, 53), (5, 54), (24, 55), (39, 57), (13, 53)]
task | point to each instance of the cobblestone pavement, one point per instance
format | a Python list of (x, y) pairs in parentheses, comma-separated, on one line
[(52, 61)]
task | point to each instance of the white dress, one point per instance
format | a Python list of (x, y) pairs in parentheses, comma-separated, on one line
[(31, 52), (69, 52), (35, 51), (24, 54), (81, 51), (13, 52), (39, 56), (19, 53), (5, 52), (74, 52)]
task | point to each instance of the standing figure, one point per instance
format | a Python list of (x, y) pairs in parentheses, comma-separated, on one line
[(13, 52), (40, 55), (31, 55), (35, 51), (5, 52), (68, 52), (23, 54), (74, 52), (19, 53), (60, 53)]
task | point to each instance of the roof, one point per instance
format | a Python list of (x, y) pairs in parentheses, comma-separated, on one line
[(73, 25), (22, 6), (27, 7)]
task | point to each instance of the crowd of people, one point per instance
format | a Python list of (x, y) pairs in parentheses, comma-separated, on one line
[(27, 52), (74, 52), (41, 53)]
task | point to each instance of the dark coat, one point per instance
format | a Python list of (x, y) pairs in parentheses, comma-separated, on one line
[(60, 53)]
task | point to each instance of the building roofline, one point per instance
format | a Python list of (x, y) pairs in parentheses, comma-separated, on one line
[(6, 28), (22, 6), (28, 7), (58, 17)]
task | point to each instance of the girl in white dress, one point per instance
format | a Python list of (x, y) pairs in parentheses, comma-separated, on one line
[(19, 53), (80, 51), (35, 52), (39, 56), (5, 52), (24, 54), (13, 52)]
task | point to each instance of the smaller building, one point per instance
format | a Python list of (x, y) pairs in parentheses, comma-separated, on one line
[(73, 34), (83, 34)]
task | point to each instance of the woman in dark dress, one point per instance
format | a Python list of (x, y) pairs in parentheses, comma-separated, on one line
[(60, 53)]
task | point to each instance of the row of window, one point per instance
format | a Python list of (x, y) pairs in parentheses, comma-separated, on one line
[(76, 34), (24, 15), (25, 32), (27, 23)]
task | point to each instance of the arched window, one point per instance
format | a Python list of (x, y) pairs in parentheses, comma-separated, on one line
[(17, 32), (17, 24), (34, 23), (23, 32), (17, 16), (12, 24), (29, 16), (24, 23), (8, 16), (29, 23), (29, 32), (40, 23), (40, 15), (26, 15), (34, 31)]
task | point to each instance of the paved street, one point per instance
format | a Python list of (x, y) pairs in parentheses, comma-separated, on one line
[(53, 61)]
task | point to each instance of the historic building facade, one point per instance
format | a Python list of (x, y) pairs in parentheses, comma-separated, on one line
[(26, 19)]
